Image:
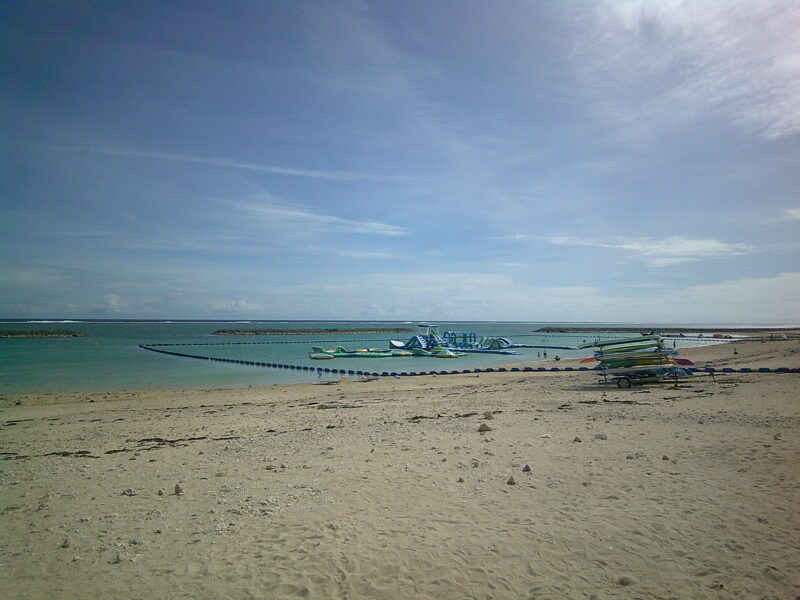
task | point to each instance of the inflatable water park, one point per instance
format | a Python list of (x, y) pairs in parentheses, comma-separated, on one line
[(428, 342)]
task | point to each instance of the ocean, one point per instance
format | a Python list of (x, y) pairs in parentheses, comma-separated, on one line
[(108, 356)]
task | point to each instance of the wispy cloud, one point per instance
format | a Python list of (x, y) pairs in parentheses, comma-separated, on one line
[(284, 214), (660, 253), (511, 237), (29, 276), (114, 303), (364, 255), (233, 164), (650, 64), (371, 69), (792, 214)]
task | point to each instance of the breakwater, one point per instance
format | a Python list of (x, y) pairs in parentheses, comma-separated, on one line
[(38, 333)]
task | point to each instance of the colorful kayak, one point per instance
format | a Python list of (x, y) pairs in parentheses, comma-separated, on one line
[(633, 348), (601, 356), (642, 354), (636, 362)]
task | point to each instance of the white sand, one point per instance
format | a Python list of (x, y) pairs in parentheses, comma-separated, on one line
[(387, 489)]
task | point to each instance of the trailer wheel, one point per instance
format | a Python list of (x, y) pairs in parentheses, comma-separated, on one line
[(624, 382)]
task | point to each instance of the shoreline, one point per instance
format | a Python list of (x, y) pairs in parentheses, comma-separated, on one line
[(511, 361), (670, 329), (749, 352)]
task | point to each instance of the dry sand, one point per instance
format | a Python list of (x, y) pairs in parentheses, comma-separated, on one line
[(387, 488)]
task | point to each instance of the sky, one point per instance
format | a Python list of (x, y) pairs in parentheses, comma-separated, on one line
[(604, 161)]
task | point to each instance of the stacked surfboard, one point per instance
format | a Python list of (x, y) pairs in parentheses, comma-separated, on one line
[(643, 355)]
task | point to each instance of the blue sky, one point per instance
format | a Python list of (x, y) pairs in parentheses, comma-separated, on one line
[(544, 161)]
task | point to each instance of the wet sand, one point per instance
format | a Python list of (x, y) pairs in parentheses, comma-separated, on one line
[(389, 488)]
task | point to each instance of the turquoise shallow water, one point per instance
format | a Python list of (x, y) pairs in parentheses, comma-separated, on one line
[(108, 357)]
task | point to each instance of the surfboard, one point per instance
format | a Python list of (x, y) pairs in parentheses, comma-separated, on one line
[(654, 354), (604, 343), (615, 363)]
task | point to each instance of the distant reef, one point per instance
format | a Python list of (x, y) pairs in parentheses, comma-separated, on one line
[(336, 330), (38, 333)]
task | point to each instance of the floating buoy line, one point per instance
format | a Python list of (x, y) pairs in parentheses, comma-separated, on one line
[(165, 349)]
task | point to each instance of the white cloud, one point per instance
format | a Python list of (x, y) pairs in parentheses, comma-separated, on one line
[(651, 64), (510, 237), (29, 276), (760, 300), (288, 215), (475, 295), (667, 261), (232, 164), (792, 214), (364, 255), (660, 253), (235, 305), (114, 303)]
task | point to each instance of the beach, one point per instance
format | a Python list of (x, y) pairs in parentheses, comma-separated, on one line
[(490, 485)]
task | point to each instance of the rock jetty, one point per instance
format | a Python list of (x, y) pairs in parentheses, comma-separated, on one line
[(38, 333)]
